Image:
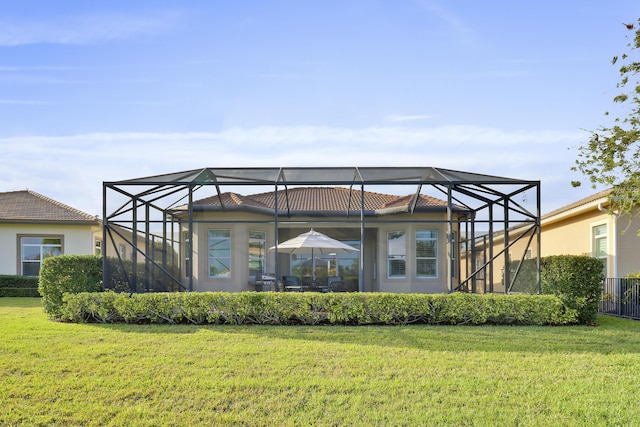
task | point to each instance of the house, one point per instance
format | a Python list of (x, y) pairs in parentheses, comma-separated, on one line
[(34, 227), (407, 253), (222, 223), (587, 227)]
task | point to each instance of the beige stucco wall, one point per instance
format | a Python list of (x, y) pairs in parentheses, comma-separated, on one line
[(76, 240), (375, 253), (628, 244)]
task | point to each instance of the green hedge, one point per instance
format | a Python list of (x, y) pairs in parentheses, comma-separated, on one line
[(577, 280), (18, 286), (68, 274), (293, 308)]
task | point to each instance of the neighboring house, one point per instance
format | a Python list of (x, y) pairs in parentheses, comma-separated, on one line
[(34, 227), (584, 227)]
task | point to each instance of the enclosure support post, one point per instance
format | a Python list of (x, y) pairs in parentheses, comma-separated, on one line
[(189, 249), (361, 266), (103, 246), (507, 263)]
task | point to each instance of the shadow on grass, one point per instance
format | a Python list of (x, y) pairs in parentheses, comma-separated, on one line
[(612, 335)]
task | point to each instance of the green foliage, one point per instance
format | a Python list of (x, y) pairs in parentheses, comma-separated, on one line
[(577, 280), (610, 157), (311, 308), (68, 274), (18, 286), (633, 275), (527, 279)]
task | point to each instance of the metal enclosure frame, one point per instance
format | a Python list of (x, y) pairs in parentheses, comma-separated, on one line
[(147, 212)]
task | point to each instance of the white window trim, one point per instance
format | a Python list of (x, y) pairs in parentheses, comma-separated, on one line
[(592, 241), (264, 251), (437, 238), (389, 276), (230, 255), (39, 236)]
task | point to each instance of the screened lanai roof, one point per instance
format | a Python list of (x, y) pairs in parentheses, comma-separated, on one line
[(490, 202), (320, 176)]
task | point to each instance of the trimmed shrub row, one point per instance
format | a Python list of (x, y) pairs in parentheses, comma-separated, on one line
[(18, 286), (282, 308)]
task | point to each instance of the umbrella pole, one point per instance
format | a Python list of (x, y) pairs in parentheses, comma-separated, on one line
[(313, 266)]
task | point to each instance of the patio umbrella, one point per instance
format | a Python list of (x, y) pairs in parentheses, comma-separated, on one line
[(314, 243)]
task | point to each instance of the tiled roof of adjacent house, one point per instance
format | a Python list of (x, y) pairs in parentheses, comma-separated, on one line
[(29, 206), (320, 199), (577, 204)]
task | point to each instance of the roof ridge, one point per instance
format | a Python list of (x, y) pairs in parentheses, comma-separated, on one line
[(62, 205), (580, 202)]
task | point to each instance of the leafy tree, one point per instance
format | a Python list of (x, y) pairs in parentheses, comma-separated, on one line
[(611, 157)]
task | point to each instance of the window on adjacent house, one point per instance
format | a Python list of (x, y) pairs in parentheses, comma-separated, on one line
[(427, 253), (257, 252), (187, 254), (98, 247), (219, 253), (122, 251), (600, 245), (36, 249), (396, 254)]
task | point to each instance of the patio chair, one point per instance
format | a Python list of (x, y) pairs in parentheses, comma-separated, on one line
[(336, 284), (291, 283)]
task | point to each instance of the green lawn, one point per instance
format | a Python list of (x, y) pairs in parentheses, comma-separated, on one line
[(69, 374)]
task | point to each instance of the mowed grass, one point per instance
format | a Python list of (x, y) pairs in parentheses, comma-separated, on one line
[(113, 375)]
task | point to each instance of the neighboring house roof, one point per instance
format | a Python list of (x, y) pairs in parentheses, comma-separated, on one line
[(579, 206), (27, 206), (321, 199)]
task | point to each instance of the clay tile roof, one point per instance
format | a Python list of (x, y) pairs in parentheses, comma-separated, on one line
[(324, 199), (320, 199), (29, 206), (423, 201)]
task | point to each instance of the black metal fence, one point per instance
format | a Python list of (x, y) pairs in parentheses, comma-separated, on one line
[(621, 297)]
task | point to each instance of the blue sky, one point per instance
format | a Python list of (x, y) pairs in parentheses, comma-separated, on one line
[(94, 91)]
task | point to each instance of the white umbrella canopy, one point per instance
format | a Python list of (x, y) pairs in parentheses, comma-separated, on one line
[(314, 243)]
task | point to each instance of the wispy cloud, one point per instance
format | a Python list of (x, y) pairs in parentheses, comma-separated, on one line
[(23, 102), (83, 30), (452, 21), (96, 157), (394, 118)]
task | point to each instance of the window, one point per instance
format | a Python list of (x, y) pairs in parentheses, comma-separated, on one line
[(122, 251), (427, 253), (34, 250), (257, 252), (187, 253), (219, 253), (396, 254), (98, 247), (600, 245)]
